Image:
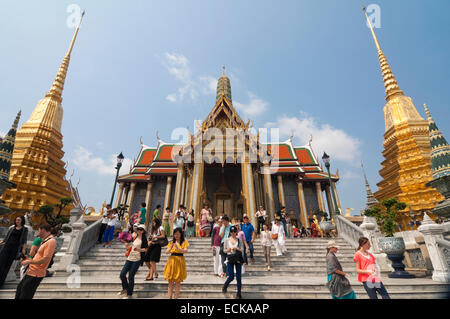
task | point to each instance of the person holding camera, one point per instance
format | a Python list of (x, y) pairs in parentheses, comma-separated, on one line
[(234, 248), (153, 255), (135, 258), (15, 243), (38, 265)]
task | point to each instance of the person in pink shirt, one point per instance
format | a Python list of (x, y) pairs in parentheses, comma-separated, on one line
[(368, 273)]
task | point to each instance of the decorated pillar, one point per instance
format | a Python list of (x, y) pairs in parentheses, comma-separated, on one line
[(183, 189), (178, 187), (248, 190), (148, 197), (320, 197), (302, 203), (119, 196), (338, 202), (167, 193), (268, 192), (329, 201), (196, 192), (281, 191), (125, 198), (131, 196)]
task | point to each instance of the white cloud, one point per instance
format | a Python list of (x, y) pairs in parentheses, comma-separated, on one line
[(2, 134), (85, 161), (178, 66), (254, 107), (336, 142)]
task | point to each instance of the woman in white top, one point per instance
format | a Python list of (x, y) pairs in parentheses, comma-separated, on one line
[(280, 241), (234, 248), (266, 244), (135, 251)]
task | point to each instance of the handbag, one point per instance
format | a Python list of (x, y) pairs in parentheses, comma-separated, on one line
[(190, 224), (163, 242), (236, 257), (274, 236)]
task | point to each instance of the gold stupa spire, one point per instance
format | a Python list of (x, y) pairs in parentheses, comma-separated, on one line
[(58, 83), (390, 83)]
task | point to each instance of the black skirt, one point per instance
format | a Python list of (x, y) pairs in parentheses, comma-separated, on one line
[(153, 253)]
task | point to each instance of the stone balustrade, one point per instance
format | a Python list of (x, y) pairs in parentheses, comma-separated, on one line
[(438, 247), (348, 231)]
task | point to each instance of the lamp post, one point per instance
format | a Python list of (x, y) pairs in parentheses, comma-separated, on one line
[(326, 160), (119, 165)]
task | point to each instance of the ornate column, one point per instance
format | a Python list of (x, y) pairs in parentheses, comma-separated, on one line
[(125, 198), (249, 190), (337, 197), (268, 192), (119, 196), (131, 196), (320, 197), (167, 193), (178, 187), (196, 191), (183, 189), (302, 203), (329, 200), (281, 191), (148, 197)]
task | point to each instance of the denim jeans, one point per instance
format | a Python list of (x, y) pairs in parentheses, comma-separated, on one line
[(283, 221), (108, 235), (230, 270), (224, 266), (373, 288), (130, 267), (250, 247)]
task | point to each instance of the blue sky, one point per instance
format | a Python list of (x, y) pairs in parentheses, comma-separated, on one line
[(148, 66)]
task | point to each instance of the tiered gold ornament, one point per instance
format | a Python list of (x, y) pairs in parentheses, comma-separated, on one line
[(407, 165), (37, 167)]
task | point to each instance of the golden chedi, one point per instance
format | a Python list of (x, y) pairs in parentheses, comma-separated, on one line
[(37, 167), (407, 165)]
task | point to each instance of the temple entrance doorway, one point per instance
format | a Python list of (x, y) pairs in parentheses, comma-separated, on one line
[(223, 187)]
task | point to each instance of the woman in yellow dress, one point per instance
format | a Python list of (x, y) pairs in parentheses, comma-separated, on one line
[(175, 270)]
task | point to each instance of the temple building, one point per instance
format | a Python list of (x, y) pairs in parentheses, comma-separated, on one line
[(232, 178), (37, 167), (407, 165)]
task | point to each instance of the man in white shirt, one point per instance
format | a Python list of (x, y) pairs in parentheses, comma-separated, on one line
[(261, 216), (105, 220)]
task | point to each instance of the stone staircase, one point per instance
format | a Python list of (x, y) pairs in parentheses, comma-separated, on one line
[(300, 274)]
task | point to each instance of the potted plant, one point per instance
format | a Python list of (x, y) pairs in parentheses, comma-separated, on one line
[(393, 247)]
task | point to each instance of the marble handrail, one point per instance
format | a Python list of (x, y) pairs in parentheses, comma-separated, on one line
[(348, 231), (90, 237)]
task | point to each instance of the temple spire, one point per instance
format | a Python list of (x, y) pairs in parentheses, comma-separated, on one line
[(371, 200), (58, 83), (7, 148), (440, 150), (224, 87), (390, 83)]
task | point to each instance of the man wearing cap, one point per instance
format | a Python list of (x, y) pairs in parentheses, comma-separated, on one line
[(339, 286), (249, 232)]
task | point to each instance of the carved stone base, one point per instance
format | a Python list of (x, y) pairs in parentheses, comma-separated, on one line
[(399, 267)]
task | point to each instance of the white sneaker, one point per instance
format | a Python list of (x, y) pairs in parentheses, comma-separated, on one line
[(122, 293)]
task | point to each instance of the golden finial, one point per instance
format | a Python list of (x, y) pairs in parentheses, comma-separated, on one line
[(390, 83), (58, 83)]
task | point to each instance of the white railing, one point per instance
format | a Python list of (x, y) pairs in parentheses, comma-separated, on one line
[(348, 231), (90, 237)]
